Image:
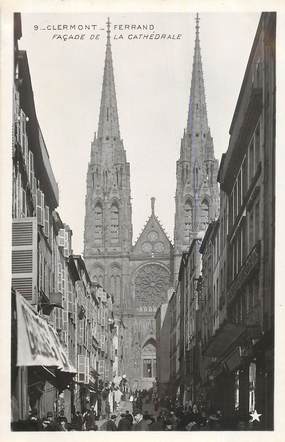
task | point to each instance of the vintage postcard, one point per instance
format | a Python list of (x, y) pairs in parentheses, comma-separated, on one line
[(142, 193)]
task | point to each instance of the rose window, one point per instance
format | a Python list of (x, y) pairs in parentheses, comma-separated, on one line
[(151, 285)]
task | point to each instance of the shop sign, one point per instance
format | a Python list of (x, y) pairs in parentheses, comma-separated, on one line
[(37, 342)]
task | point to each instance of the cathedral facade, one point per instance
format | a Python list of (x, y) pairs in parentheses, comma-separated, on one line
[(139, 276)]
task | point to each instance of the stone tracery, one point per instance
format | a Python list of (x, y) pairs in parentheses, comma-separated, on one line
[(151, 284)]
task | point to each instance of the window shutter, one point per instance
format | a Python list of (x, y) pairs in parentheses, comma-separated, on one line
[(22, 131), (66, 244), (101, 367), (81, 332), (46, 222), (65, 320), (17, 195), (60, 313), (87, 369), (59, 277), (24, 204), (63, 279), (31, 167), (34, 191), (65, 298), (56, 318), (40, 207), (70, 298), (60, 238), (64, 338), (24, 257), (81, 368)]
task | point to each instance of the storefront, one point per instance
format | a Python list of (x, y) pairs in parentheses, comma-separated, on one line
[(41, 375), (233, 385)]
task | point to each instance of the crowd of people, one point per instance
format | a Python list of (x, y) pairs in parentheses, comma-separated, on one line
[(166, 415), (79, 422)]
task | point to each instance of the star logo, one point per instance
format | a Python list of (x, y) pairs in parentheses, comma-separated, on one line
[(255, 416)]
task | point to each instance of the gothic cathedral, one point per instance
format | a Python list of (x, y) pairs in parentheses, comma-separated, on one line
[(139, 276)]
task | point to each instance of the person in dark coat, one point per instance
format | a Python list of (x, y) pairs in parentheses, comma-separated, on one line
[(33, 423), (130, 417), (157, 425), (49, 424), (90, 417), (143, 424), (110, 424), (124, 423), (77, 421)]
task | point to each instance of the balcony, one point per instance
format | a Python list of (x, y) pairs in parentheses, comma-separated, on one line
[(48, 304)]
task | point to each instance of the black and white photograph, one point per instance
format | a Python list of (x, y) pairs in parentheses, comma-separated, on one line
[(143, 221)]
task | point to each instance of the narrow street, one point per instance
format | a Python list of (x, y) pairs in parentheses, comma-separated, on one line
[(124, 405), (108, 303)]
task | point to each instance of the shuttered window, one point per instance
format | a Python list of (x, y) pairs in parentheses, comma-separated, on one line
[(31, 168), (24, 257), (60, 238), (66, 250), (83, 369), (59, 277), (40, 207), (46, 222)]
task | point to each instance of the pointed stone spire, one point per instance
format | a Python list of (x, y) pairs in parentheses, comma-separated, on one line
[(152, 205), (108, 127), (197, 193), (197, 114)]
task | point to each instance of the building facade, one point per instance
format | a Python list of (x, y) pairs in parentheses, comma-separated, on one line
[(66, 323), (248, 179), (139, 275), (234, 337)]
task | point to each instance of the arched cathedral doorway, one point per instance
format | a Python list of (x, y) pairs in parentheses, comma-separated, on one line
[(148, 363)]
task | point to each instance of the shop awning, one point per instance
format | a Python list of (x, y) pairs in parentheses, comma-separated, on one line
[(38, 343), (223, 339)]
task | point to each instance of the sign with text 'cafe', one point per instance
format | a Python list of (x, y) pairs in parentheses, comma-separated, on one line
[(38, 342)]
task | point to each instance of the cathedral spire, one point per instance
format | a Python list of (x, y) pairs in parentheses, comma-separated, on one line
[(108, 127), (152, 201), (197, 114), (197, 194)]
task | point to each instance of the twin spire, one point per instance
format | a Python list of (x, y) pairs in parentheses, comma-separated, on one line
[(108, 127), (197, 122)]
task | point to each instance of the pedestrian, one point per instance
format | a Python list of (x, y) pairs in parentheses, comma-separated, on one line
[(143, 424), (89, 420), (62, 424), (111, 425), (49, 423), (33, 423), (174, 420), (77, 421), (130, 417), (157, 425), (124, 423)]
